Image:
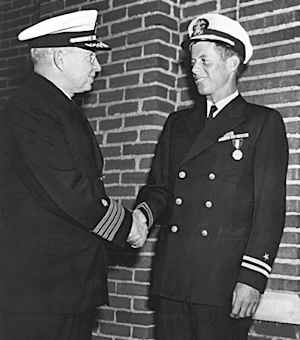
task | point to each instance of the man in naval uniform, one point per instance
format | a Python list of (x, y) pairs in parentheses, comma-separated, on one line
[(217, 188), (55, 216)]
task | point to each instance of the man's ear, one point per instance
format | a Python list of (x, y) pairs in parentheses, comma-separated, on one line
[(58, 58), (233, 63)]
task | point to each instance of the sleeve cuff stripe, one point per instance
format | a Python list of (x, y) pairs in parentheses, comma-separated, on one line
[(148, 211), (257, 262), (115, 225), (255, 268), (104, 218), (110, 219)]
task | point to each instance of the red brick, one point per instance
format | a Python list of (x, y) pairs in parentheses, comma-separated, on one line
[(158, 105), (134, 318), (122, 302), (228, 3), (139, 149), (293, 205), (274, 98), (125, 107), (269, 83), (116, 42), (143, 332), (120, 191), (161, 20), (133, 177), (100, 84), (110, 96), (150, 6), (290, 252), (160, 77), (292, 221), (114, 328), (132, 289), (121, 164), (122, 137), (114, 15), (122, 81), (293, 190), (148, 35), (146, 92), (145, 63), (290, 237), (126, 26), (112, 178), (117, 3), (269, 6), (278, 35), (145, 163), (275, 329), (112, 68), (120, 274), (111, 151), (161, 49), (283, 284), (273, 66), (110, 124), (93, 112), (149, 135), (142, 275), (127, 53), (106, 314), (201, 8)]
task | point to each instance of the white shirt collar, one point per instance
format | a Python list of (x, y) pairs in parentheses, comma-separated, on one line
[(221, 103)]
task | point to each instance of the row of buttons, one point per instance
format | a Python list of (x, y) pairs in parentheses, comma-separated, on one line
[(174, 229), (182, 174), (179, 201)]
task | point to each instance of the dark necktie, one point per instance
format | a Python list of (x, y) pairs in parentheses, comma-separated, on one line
[(213, 109)]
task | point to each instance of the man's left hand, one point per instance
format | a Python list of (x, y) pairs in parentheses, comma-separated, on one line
[(245, 301)]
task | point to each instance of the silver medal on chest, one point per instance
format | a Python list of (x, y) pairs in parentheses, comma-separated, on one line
[(237, 154)]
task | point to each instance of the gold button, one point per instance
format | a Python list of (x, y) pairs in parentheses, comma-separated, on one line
[(204, 232), (208, 204), (182, 174), (178, 201), (104, 202), (174, 228), (211, 176)]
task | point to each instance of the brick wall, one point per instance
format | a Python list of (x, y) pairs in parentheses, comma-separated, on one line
[(141, 82)]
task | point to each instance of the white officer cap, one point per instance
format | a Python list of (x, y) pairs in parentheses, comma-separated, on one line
[(75, 29), (217, 27)]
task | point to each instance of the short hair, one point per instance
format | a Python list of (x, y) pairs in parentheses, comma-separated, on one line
[(40, 55), (226, 51)]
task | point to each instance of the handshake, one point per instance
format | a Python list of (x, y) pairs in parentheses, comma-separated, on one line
[(139, 230)]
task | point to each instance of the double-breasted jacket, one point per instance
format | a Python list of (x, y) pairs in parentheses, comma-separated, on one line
[(55, 217), (217, 188)]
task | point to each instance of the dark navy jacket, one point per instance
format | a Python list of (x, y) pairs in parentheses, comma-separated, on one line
[(55, 216), (221, 218)]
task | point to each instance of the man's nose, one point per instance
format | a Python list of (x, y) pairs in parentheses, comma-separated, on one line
[(197, 68)]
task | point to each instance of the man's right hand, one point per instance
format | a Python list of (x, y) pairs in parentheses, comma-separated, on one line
[(139, 230)]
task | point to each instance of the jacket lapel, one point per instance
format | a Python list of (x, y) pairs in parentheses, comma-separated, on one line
[(232, 115)]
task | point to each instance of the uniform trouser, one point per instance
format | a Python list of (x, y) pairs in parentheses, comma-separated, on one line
[(17, 326), (177, 320)]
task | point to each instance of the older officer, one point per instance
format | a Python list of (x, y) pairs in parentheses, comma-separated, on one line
[(55, 216), (217, 187)]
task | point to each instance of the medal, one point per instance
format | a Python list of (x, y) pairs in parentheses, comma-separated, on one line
[(237, 154)]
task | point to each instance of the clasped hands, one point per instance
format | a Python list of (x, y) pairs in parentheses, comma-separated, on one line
[(139, 230)]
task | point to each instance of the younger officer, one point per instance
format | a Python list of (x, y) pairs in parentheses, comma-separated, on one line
[(55, 216), (217, 187)]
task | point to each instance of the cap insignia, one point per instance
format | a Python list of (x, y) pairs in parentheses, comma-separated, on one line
[(200, 27)]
